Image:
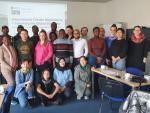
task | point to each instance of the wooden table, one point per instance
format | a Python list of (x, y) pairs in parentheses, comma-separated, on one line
[(2, 95), (112, 73)]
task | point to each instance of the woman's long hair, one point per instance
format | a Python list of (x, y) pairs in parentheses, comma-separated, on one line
[(46, 37)]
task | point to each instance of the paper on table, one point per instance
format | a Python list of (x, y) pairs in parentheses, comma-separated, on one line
[(110, 72)]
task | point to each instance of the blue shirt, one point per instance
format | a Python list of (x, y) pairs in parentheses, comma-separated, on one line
[(62, 77), (21, 79), (108, 41)]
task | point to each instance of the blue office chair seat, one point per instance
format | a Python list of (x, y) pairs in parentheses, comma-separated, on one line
[(135, 71)]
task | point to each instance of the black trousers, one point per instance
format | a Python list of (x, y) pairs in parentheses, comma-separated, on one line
[(46, 101)]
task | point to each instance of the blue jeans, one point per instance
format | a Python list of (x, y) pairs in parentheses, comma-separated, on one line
[(120, 64), (24, 96), (93, 61), (7, 99)]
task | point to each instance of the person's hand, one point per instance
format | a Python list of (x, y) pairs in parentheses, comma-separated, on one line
[(28, 87), (107, 61), (88, 85), (114, 60), (13, 69), (28, 82), (61, 89), (50, 96), (118, 58), (99, 60), (92, 68), (144, 60)]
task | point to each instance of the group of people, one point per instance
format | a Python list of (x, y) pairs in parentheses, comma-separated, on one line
[(53, 66)]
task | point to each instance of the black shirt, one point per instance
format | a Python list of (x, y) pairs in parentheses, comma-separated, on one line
[(119, 48), (48, 86), (34, 39), (136, 53)]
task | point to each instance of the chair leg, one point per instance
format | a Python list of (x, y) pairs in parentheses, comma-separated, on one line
[(102, 97), (112, 106)]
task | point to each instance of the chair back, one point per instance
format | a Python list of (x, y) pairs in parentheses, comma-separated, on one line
[(135, 71), (112, 89)]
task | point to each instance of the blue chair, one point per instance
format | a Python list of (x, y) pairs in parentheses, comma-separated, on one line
[(135, 71), (112, 90)]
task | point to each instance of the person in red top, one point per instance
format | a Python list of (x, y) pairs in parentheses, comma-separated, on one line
[(97, 49)]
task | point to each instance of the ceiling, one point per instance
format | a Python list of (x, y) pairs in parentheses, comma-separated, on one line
[(60, 0), (86, 0)]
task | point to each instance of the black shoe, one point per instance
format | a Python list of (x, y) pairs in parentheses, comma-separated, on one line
[(44, 104)]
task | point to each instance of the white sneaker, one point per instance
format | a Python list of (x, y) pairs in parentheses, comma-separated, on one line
[(86, 97), (78, 98)]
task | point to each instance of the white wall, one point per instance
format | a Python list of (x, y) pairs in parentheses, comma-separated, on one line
[(86, 14), (133, 12)]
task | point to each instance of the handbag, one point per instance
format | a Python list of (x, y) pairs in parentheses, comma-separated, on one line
[(136, 103)]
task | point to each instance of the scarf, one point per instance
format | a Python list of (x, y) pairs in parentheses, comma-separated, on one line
[(61, 68), (83, 67), (25, 70), (46, 82), (138, 40)]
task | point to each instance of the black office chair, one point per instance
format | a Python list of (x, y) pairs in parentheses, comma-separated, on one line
[(112, 90)]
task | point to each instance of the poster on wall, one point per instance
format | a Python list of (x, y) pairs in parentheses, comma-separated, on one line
[(29, 14)]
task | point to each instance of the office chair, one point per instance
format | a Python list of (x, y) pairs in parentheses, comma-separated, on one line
[(135, 71), (112, 90)]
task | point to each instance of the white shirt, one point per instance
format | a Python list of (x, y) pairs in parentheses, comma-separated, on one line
[(80, 47)]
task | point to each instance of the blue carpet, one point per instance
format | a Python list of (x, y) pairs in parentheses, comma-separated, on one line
[(73, 106)]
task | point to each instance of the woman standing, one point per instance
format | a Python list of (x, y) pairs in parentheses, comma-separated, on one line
[(118, 51), (8, 65), (69, 32), (43, 54), (137, 49)]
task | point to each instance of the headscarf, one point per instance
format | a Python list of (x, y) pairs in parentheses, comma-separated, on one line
[(62, 68)]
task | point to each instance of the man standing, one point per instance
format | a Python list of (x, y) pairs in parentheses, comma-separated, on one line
[(80, 47), (84, 33), (63, 48), (35, 37), (16, 38), (54, 27), (24, 47)]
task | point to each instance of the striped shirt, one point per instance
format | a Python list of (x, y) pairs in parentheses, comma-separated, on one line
[(63, 48)]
